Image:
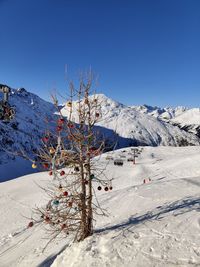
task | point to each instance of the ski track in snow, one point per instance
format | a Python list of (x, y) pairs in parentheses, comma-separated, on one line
[(148, 225)]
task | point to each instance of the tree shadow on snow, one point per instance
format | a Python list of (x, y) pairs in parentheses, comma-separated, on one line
[(176, 208), (48, 261)]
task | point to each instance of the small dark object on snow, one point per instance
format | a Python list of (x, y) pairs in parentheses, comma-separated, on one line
[(30, 224), (118, 162), (56, 202), (130, 159), (76, 169), (92, 176)]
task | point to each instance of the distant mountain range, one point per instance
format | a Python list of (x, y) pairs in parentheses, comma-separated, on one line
[(187, 119), (145, 125), (134, 125)]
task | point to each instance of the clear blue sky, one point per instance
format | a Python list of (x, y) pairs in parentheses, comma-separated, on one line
[(144, 51)]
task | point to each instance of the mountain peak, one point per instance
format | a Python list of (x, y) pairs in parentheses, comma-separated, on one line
[(107, 100)]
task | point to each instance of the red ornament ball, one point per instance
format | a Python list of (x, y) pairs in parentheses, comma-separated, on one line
[(50, 173), (106, 188), (99, 188), (60, 121), (70, 125), (45, 139), (45, 165), (65, 193), (63, 226), (30, 224), (62, 173), (58, 128), (110, 187)]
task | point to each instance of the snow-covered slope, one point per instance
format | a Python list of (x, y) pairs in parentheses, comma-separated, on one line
[(23, 133), (189, 120), (191, 116), (139, 128), (151, 224)]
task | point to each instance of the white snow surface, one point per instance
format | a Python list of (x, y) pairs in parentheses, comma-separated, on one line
[(189, 117), (153, 224)]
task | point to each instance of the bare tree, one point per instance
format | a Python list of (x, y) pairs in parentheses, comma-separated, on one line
[(71, 155)]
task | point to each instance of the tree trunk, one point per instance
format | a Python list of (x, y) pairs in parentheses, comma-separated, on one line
[(83, 202)]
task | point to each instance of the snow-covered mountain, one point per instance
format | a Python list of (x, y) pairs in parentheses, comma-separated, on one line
[(185, 118), (166, 113), (189, 117), (23, 134), (189, 121), (138, 124)]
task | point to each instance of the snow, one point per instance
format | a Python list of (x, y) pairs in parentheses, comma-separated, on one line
[(138, 128), (166, 113), (189, 117), (152, 224), (185, 118)]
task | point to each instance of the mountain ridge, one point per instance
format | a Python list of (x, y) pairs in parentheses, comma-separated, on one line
[(142, 128)]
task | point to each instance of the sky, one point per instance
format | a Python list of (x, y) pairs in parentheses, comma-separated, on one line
[(142, 51)]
